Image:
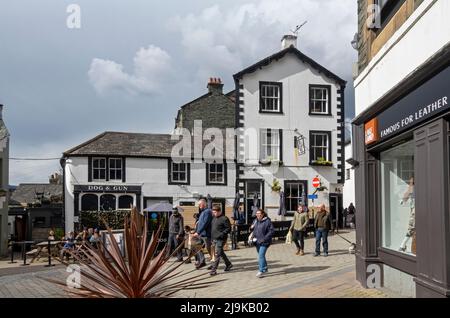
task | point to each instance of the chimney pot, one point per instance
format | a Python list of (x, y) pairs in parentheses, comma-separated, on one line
[(215, 85), (288, 40)]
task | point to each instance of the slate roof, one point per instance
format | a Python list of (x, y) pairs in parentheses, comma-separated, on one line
[(281, 54), (125, 144), (25, 193)]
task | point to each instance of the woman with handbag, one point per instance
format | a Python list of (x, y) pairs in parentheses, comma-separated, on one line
[(262, 238)]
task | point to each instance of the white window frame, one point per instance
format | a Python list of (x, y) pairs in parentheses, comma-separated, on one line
[(323, 101), (275, 98), (173, 171), (274, 144), (115, 169), (323, 146), (99, 169), (210, 173)]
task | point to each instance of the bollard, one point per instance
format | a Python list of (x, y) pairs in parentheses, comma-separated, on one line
[(12, 254), (49, 256), (24, 255)]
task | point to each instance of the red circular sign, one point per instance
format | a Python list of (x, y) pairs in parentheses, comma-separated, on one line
[(316, 182)]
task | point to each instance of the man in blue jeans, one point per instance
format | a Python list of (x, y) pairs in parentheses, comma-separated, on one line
[(262, 238), (322, 224)]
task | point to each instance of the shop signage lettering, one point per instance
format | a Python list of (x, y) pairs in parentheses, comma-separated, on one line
[(107, 188), (427, 101), (416, 116)]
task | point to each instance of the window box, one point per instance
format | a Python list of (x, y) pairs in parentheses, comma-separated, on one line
[(323, 163)]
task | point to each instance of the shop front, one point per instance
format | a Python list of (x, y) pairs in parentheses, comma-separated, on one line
[(402, 165)]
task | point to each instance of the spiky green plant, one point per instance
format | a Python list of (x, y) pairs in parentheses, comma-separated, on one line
[(141, 273)]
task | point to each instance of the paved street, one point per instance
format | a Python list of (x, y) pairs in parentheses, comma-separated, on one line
[(289, 275)]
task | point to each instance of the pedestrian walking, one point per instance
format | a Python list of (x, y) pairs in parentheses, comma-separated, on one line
[(298, 228), (203, 231), (323, 225), (220, 228), (176, 233), (262, 237)]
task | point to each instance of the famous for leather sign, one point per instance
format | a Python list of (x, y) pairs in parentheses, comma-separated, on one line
[(422, 104)]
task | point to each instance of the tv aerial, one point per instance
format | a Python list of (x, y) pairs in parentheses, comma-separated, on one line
[(297, 28)]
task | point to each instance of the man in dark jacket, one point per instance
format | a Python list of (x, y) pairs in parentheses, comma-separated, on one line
[(176, 232), (203, 230), (322, 224), (220, 228), (263, 231)]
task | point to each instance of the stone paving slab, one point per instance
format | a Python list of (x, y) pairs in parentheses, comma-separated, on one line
[(289, 276)]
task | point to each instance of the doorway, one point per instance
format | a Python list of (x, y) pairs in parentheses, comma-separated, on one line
[(336, 210)]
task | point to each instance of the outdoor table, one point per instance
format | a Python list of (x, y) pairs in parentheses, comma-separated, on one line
[(46, 244)]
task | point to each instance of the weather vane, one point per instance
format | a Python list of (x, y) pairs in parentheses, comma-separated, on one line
[(297, 28)]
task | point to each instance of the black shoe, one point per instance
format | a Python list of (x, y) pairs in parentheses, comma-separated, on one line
[(179, 260), (210, 267), (317, 254), (228, 268), (200, 265), (188, 261), (213, 273)]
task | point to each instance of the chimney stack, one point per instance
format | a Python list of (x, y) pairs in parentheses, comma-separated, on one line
[(1, 111), (288, 40), (215, 85)]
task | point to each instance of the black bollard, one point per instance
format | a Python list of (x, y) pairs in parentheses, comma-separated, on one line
[(24, 255), (49, 256), (12, 254)]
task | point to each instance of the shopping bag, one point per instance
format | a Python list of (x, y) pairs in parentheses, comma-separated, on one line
[(289, 237)]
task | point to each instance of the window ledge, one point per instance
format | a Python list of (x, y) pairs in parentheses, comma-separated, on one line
[(269, 163), (320, 114), (270, 113), (320, 164)]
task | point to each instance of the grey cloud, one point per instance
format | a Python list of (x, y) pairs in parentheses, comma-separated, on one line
[(150, 65)]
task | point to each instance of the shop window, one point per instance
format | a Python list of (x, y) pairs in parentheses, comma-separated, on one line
[(295, 195), (89, 202), (125, 201), (107, 202), (398, 198)]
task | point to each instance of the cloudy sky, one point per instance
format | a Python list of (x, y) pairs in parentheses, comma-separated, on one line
[(133, 63)]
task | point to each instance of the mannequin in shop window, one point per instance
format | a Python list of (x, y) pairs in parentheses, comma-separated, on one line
[(408, 198)]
